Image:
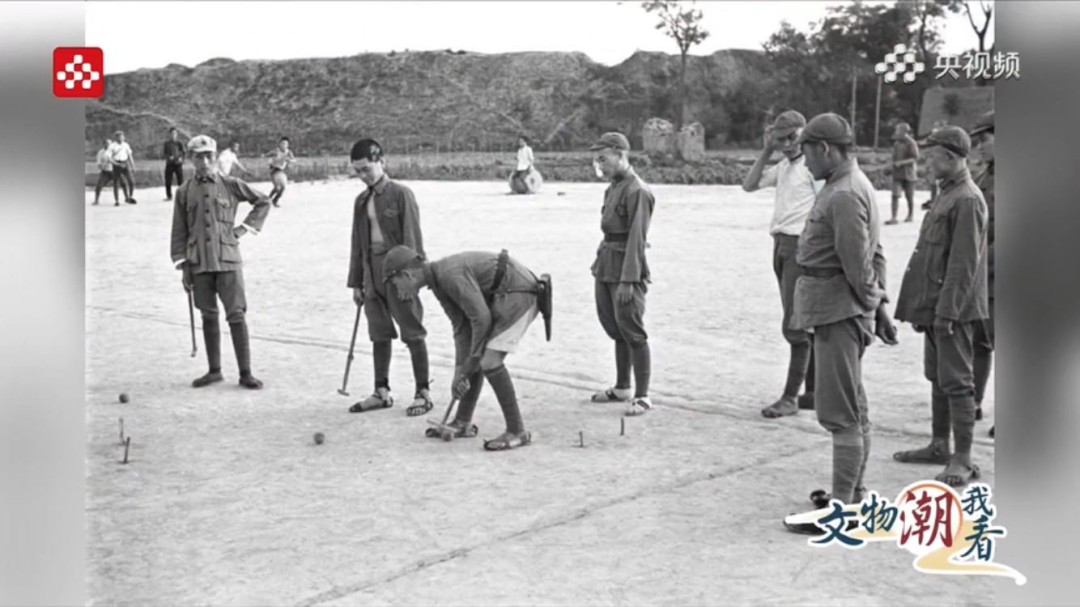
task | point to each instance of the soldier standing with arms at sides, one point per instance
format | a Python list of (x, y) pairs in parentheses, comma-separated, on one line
[(386, 215), (621, 272), (206, 246), (944, 296)]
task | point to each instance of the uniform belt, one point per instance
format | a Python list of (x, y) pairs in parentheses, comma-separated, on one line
[(616, 237), (820, 272)]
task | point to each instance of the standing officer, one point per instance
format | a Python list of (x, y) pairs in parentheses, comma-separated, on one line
[(621, 271), (795, 193), (944, 296), (491, 301), (205, 245), (841, 298), (904, 172), (174, 153), (983, 138), (385, 215)]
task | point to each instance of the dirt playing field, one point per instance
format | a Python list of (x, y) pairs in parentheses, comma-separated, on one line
[(226, 499)]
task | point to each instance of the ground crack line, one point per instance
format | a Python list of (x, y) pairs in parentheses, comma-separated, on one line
[(339, 592), (669, 401)]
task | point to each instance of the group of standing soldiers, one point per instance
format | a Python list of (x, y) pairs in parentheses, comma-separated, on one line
[(828, 262), (831, 271), (491, 299)]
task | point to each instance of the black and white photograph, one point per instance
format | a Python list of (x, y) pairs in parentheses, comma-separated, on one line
[(541, 303)]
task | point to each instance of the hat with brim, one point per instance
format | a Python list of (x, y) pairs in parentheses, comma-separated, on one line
[(612, 140), (952, 138), (202, 143), (829, 128), (398, 259), (787, 123)]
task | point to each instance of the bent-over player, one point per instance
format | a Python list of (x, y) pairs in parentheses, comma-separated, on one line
[(621, 271), (491, 300), (206, 246)]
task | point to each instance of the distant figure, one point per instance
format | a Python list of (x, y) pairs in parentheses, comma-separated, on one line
[(105, 174), (174, 153), (230, 157), (905, 157), (279, 161), (938, 124), (123, 161), (526, 179)]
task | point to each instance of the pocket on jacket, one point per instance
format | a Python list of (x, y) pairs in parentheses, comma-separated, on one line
[(230, 248), (391, 213), (937, 230)]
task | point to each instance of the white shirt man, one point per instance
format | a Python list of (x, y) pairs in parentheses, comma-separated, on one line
[(795, 194), (120, 152), (524, 157)]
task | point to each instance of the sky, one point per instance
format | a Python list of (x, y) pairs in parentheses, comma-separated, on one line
[(132, 33)]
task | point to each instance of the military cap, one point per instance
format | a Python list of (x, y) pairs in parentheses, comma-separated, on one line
[(202, 143), (398, 259), (830, 128), (787, 123), (613, 140), (984, 124), (952, 138)]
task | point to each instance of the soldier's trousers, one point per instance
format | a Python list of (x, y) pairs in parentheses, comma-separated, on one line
[(229, 286), (840, 400), (949, 364), (622, 322), (787, 273)]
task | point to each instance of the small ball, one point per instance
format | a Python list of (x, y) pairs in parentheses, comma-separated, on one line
[(123, 397), (319, 438)]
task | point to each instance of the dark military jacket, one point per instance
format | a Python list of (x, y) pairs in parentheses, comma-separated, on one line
[(204, 215)]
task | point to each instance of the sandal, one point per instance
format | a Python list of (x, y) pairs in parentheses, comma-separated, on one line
[(460, 431), (507, 441), (957, 481), (373, 403), (927, 455), (421, 405), (611, 395), (640, 406), (781, 408)]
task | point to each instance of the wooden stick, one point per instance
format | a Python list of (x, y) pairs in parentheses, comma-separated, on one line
[(622, 426), (581, 435), (127, 445), (121, 430)]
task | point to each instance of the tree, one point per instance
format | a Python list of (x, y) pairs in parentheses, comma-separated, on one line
[(684, 26), (987, 11)]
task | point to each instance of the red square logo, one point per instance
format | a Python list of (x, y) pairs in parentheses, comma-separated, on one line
[(78, 72)]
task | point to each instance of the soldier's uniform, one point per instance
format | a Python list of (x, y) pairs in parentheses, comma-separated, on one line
[(836, 297), (491, 300), (384, 216), (984, 331), (946, 280), (203, 238), (624, 221)]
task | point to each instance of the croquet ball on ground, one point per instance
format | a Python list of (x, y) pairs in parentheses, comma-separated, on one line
[(319, 438), (123, 397)]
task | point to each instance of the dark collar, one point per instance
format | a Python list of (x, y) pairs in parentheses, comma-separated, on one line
[(622, 175), (381, 184)]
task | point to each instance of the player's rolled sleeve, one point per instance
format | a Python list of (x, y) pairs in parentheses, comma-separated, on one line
[(852, 229), (466, 293), (967, 242), (261, 202)]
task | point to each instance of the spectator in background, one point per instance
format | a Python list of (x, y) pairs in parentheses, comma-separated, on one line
[(105, 174), (123, 165), (230, 157), (174, 162), (905, 157)]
